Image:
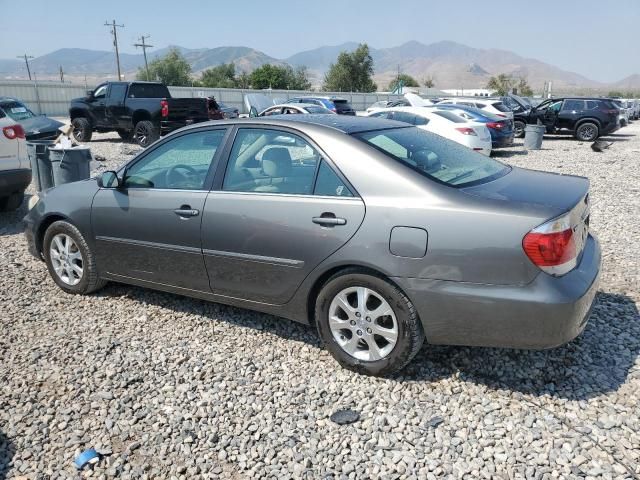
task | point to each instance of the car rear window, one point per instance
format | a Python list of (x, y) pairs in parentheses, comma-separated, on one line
[(450, 116), (434, 157), (500, 107), (148, 90), (16, 110), (342, 105)]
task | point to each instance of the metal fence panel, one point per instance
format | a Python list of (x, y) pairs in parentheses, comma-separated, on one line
[(53, 98)]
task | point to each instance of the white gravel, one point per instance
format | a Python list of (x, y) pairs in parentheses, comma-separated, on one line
[(170, 387)]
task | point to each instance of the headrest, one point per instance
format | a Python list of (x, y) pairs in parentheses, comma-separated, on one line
[(426, 160), (276, 162)]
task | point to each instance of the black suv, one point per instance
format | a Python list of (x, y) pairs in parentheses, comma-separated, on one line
[(335, 104), (586, 118)]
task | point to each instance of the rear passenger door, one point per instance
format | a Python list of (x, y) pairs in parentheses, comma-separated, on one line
[(570, 112), (278, 209)]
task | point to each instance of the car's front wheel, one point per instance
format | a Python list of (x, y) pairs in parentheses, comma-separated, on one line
[(518, 128), (82, 130), (367, 323), (69, 260), (587, 132)]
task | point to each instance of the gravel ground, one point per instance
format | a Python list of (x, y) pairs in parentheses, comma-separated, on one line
[(170, 387)]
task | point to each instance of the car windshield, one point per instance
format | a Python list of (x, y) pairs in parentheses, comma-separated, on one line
[(16, 110), (434, 157)]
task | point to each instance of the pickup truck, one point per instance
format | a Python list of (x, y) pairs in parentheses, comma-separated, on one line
[(138, 111)]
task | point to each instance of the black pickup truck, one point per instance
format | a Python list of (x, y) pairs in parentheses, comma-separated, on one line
[(141, 111)]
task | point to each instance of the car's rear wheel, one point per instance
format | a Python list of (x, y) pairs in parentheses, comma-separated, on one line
[(367, 323), (587, 132), (518, 128), (69, 260), (145, 133), (82, 130), (11, 202)]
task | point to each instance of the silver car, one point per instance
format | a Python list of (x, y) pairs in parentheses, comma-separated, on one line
[(379, 234)]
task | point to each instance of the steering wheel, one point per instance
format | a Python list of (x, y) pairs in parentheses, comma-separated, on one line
[(173, 172)]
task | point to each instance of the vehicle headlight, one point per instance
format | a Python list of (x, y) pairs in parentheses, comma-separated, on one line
[(32, 201)]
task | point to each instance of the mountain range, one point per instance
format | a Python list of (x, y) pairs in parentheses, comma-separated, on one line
[(449, 64)]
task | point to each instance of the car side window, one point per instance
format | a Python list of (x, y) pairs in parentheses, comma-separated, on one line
[(181, 163), (270, 161), (100, 92), (571, 105), (329, 184)]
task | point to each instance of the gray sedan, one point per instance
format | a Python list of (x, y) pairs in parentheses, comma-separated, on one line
[(379, 234)]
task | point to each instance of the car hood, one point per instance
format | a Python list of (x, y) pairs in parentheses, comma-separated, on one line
[(543, 192), (40, 124)]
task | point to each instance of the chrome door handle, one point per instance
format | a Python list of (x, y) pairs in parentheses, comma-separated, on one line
[(329, 221), (186, 212)]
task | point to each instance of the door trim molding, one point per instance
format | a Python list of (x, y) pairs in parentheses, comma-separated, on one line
[(142, 243), (283, 262)]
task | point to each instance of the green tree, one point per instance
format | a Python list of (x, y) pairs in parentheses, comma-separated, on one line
[(501, 84), (523, 88), (429, 82), (243, 80), (280, 77), (172, 69), (222, 76), (352, 72), (615, 93), (407, 81)]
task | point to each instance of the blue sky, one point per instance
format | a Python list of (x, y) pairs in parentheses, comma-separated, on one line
[(598, 39)]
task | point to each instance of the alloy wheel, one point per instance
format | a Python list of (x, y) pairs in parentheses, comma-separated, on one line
[(66, 259), (363, 323)]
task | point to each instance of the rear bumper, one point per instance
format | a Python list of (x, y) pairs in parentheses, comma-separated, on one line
[(502, 141), (546, 313), (13, 181)]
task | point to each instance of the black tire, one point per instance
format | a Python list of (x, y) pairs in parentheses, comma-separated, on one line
[(587, 132), (90, 281), (11, 202), (82, 130), (518, 128), (145, 133), (410, 335), (125, 135)]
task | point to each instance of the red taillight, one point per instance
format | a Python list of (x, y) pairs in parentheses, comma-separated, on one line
[(13, 132), (552, 246), (550, 249), (164, 108), (466, 131), (497, 125)]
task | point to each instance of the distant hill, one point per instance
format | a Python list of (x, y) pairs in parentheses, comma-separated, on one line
[(450, 64)]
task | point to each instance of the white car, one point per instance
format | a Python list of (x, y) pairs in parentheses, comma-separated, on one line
[(295, 108), (377, 106), (489, 104), (447, 124), (15, 171)]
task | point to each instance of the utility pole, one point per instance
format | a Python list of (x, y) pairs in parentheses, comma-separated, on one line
[(61, 75), (26, 61), (114, 32), (144, 52)]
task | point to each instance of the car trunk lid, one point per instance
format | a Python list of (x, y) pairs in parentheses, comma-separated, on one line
[(544, 196)]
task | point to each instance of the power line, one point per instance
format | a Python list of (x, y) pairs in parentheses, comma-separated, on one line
[(144, 52), (114, 32), (26, 61)]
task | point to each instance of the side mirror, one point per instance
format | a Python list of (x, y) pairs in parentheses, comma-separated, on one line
[(109, 179), (89, 93)]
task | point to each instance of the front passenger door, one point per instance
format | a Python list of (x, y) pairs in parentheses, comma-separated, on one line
[(148, 229)]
